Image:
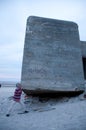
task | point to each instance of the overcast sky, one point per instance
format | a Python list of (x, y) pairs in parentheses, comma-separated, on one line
[(13, 16)]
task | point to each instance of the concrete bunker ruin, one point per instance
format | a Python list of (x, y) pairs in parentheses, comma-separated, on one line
[(54, 59)]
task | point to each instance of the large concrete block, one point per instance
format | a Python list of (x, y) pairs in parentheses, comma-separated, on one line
[(52, 55)]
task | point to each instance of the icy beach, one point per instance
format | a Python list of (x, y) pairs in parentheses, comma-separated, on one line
[(62, 114)]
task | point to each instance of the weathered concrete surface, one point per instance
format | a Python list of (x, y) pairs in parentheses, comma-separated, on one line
[(83, 48), (52, 55)]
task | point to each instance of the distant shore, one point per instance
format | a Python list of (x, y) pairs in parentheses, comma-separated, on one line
[(7, 84)]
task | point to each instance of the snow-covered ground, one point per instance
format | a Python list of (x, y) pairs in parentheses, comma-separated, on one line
[(62, 114)]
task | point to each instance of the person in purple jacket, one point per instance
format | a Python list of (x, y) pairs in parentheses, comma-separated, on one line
[(17, 99)]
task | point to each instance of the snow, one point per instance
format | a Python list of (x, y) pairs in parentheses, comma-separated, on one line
[(69, 113)]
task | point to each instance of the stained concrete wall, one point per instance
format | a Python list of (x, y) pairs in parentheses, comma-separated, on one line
[(83, 48), (52, 55)]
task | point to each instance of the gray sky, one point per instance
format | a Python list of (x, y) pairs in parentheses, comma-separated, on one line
[(13, 16)]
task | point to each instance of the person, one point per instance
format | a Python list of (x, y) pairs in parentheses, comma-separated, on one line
[(17, 99)]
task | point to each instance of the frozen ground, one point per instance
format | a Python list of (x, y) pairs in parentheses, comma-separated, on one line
[(69, 114)]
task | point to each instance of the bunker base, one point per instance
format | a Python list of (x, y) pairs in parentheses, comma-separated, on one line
[(52, 93)]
